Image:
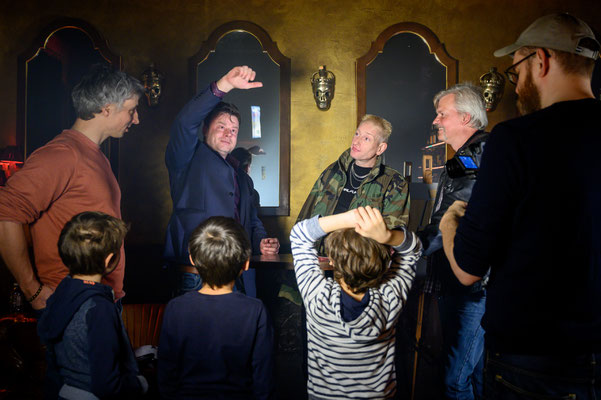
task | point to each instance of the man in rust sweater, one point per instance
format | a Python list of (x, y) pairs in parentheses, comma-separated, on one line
[(68, 175)]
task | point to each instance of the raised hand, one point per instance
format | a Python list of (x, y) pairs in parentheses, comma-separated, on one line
[(238, 78), (370, 224)]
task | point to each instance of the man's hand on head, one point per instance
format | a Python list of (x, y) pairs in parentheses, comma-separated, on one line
[(238, 78), (269, 246)]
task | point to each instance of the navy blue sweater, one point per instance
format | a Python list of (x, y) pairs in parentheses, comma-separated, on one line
[(216, 347), (87, 342)]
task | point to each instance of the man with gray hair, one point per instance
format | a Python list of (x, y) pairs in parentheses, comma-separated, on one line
[(535, 218), (460, 120), (68, 175)]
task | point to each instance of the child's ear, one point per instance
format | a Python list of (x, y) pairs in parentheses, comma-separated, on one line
[(110, 263), (108, 260), (246, 265), (191, 260)]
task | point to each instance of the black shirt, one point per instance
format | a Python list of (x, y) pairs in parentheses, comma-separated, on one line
[(350, 189), (535, 218)]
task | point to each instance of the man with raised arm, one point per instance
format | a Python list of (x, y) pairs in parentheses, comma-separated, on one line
[(206, 181)]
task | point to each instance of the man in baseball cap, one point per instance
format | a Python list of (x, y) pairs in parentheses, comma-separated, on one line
[(559, 32), (535, 217)]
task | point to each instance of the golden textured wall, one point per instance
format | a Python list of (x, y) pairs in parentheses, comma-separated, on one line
[(311, 33)]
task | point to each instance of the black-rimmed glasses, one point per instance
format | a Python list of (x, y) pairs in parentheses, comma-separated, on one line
[(513, 76)]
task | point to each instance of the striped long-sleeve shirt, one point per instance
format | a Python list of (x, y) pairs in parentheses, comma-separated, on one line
[(350, 359)]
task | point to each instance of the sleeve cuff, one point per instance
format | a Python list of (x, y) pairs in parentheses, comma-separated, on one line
[(409, 241), (215, 90), (314, 229)]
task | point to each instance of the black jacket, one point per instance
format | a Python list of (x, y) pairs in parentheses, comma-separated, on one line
[(449, 190)]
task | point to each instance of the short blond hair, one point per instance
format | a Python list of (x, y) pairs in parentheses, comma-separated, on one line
[(384, 125)]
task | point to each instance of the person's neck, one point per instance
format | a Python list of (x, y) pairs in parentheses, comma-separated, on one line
[(465, 136), (224, 156), (217, 290), (90, 130), (366, 164), (347, 290), (94, 278), (566, 88)]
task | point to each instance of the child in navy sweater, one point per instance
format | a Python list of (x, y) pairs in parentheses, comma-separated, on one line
[(216, 343), (89, 353)]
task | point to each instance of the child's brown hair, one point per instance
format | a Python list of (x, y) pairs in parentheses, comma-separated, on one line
[(219, 248), (87, 239), (359, 261)]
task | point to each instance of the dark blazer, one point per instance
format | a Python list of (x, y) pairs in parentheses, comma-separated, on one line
[(202, 183)]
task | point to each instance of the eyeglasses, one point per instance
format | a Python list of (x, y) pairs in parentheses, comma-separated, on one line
[(513, 76)]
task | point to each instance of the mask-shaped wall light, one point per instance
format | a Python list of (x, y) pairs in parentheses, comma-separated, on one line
[(493, 84), (323, 82), (153, 85)]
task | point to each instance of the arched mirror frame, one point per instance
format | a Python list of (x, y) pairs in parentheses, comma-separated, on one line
[(422, 200), (111, 146), (377, 47), (271, 49)]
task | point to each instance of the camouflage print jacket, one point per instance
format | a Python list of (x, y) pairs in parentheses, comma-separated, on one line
[(384, 188)]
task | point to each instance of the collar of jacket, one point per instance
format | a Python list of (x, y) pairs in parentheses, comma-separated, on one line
[(228, 160), (345, 159), (476, 137)]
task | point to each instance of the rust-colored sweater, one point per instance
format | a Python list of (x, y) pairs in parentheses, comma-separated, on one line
[(67, 176)]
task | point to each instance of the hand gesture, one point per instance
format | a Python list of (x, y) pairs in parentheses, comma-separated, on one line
[(269, 246), (238, 78), (370, 224)]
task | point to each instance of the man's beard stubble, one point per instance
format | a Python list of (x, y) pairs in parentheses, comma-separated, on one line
[(529, 97)]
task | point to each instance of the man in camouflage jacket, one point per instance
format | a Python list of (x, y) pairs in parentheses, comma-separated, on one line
[(375, 184)]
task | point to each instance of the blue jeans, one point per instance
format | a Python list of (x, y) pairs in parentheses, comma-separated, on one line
[(245, 284), (513, 377), (463, 344)]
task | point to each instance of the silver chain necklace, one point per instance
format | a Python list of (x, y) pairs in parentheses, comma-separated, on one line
[(357, 177)]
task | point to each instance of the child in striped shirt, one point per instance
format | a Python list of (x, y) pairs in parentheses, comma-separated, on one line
[(351, 319)]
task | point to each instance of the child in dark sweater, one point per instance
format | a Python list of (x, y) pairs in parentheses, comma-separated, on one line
[(216, 343), (89, 353)]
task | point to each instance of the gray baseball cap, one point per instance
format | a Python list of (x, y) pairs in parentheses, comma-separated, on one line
[(558, 32)]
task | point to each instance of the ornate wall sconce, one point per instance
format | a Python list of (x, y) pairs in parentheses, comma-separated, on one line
[(153, 84), (323, 82), (493, 84)]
